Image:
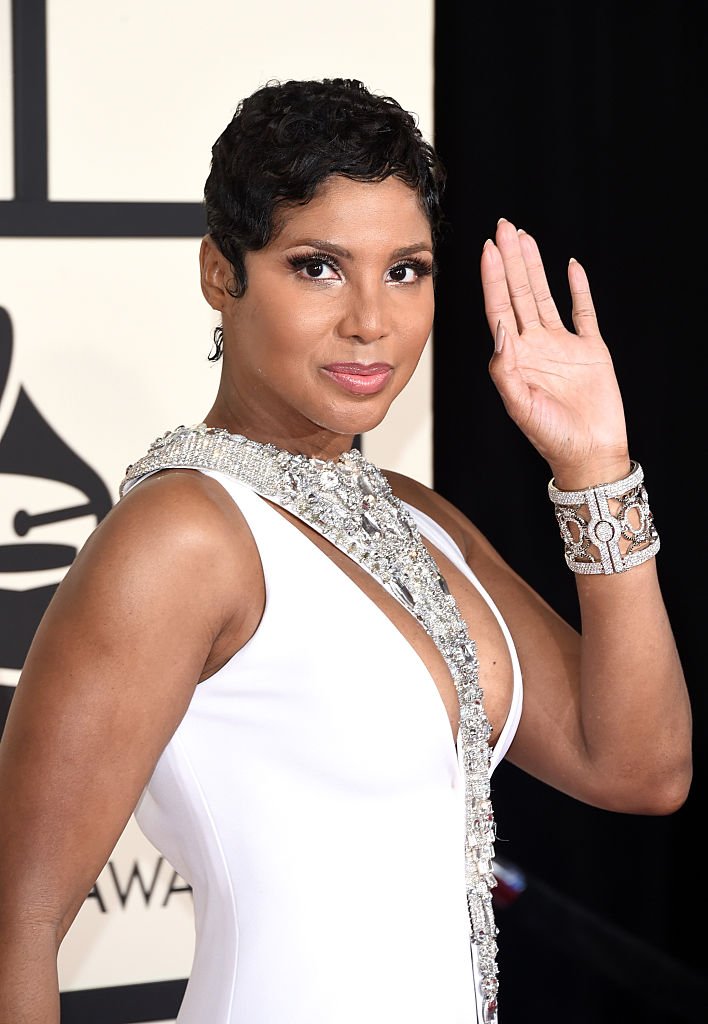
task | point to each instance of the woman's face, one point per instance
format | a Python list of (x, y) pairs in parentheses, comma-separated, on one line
[(335, 316)]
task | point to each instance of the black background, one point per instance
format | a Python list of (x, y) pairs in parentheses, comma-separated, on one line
[(581, 124)]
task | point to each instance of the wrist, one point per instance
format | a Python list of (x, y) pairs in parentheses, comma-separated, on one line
[(593, 472)]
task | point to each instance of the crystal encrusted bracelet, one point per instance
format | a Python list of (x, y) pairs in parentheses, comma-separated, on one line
[(606, 528)]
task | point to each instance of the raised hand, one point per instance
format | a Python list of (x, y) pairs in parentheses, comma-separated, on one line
[(559, 387)]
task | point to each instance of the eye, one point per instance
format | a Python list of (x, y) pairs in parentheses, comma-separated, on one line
[(410, 271), (315, 266)]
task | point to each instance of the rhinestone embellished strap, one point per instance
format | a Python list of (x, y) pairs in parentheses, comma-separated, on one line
[(350, 503)]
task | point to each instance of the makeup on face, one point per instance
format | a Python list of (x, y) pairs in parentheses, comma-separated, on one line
[(360, 378)]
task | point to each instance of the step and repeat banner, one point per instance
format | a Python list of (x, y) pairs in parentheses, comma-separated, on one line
[(107, 117)]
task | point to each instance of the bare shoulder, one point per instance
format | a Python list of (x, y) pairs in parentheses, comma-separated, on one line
[(434, 505), (482, 557), (181, 506), (176, 536)]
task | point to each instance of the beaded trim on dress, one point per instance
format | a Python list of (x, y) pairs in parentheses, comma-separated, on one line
[(350, 502)]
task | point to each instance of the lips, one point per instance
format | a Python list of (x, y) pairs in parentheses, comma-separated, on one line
[(359, 378)]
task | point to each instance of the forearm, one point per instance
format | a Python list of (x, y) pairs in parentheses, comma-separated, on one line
[(634, 707), (29, 987)]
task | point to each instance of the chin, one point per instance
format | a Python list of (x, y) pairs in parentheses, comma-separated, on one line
[(356, 421)]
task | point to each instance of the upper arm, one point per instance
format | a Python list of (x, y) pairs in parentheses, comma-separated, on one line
[(548, 743), (109, 675)]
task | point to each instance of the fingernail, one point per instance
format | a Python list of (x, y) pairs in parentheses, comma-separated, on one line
[(520, 231), (487, 244), (572, 260), (499, 337), (502, 220)]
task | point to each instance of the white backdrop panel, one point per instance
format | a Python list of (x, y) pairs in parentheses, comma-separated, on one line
[(139, 91), (136, 927), (111, 336), (127, 122), (111, 340)]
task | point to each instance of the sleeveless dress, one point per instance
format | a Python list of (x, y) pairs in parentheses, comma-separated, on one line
[(313, 798)]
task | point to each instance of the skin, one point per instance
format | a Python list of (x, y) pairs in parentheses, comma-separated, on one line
[(606, 714), (289, 324)]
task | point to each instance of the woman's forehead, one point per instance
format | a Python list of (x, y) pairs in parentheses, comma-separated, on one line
[(366, 208)]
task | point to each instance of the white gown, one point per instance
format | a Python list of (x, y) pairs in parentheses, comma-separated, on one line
[(313, 798)]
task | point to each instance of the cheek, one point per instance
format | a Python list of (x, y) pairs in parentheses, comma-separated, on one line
[(313, 315), (296, 320), (275, 332), (419, 322)]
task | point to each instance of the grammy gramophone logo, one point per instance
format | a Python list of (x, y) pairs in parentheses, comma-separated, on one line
[(50, 499)]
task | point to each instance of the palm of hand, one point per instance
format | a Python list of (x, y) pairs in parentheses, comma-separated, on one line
[(559, 387)]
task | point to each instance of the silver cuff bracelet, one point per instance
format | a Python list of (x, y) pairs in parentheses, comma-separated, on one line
[(592, 540)]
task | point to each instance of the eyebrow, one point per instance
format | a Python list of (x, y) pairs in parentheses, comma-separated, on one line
[(338, 250)]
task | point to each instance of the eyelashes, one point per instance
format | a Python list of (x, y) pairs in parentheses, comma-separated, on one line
[(422, 267), (312, 259), (297, 261)]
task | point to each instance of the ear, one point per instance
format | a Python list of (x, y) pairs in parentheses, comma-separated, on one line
[(215, 274)]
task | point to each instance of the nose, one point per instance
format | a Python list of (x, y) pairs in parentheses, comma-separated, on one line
[(366, 314)]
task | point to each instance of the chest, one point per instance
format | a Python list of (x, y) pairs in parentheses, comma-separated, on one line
[(365, 592)]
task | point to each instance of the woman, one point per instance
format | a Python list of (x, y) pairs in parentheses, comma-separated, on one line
[(300, 671)]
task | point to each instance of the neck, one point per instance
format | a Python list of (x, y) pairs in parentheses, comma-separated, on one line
[(305, 439)]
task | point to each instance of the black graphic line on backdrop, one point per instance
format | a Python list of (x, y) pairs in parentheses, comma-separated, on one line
[(125, 1004), (31, 214), (29, 76)]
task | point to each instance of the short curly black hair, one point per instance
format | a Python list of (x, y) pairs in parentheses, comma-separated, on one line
[(286, 138)]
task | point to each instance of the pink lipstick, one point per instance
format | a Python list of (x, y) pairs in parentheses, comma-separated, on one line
[(360, 378)]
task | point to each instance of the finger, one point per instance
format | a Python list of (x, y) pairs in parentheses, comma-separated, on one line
[(520, 291), (508, 380), (497, 301), (547, 311), (583, 311)]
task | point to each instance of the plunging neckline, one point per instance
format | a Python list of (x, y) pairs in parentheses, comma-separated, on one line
[(349, 502), (508, 727), (513, 712), (378, 611), (337, 502)]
